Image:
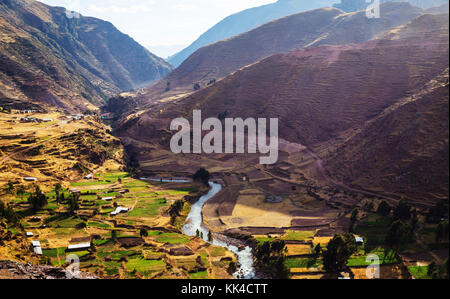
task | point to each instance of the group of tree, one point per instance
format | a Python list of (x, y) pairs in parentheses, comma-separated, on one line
[(8, 213), (436, 271), (202, 175), (175, 210), (37, 200), (442, 232), (270, 258), (438, 212), (338, 252)]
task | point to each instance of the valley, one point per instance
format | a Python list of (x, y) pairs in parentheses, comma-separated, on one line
[(87, 170)]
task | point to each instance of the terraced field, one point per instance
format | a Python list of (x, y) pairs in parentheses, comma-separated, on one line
[(141, 243)]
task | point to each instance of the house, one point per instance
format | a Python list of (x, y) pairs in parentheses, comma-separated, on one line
[(37, 247), (359, 241), (29, 234), (78, 247), (119, 210), (37, 250), (75, 191), (107, 198), (47, 120), (89, 177), (30, 179)]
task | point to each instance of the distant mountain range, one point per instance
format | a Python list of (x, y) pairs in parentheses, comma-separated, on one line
[(307, 29), (246, 20), (355, 5), (72, 63)]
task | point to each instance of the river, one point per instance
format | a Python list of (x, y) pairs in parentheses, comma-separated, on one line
[(194, 223)]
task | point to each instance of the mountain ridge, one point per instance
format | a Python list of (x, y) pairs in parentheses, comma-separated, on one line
[(71, 63)]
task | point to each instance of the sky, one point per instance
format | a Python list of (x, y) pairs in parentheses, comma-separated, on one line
[(163, 26)]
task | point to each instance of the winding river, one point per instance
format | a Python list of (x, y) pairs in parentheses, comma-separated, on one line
[(194, 223)]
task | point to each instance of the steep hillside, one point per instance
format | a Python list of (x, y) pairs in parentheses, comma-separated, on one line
[(309, 29), (247, 20), (318, 94), (404, 150), (71, 63)]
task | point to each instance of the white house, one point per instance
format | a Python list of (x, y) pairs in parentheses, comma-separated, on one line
[(36, 243), (359, 240), (30, 179), (89, 177), (119, 210), (107, 198), (37, 250), (29, 234), (77, 247)]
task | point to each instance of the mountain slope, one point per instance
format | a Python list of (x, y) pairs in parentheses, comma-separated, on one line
[(247, 20), (72, 63), (320, 94), (405, 150), (313, 28)]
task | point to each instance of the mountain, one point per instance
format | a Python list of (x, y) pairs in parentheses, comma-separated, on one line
[(308, 29), (322, 94), (355, 5), (247, 20), (71, 63)]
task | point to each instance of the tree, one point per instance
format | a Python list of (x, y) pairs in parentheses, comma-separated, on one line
[(399, 233), (210, 237), (202, 175), (269, 256), (73, 203), (197, 86), (175, 209), (354, 216), (8, 213), (384, 208), (317, 250), (20, 191), (402, 211), (143, 232), (338, 252), (114, 235), (37, 200), (368, 206), (442, 231), (9, 188), (58, 188)]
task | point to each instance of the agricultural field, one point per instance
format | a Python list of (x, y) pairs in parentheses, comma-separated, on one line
[(61, 149), (140, 243)]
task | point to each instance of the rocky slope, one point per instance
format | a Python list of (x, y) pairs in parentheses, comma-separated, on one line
[(14, 270), (247, 20), (328, 26), (71, 63)]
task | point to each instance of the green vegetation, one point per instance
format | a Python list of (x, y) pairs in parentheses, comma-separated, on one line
[(338, 253)]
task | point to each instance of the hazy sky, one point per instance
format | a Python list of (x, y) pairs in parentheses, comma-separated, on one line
[(163, 26)]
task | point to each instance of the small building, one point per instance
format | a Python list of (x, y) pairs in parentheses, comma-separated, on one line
[(36, 243), (89, 177), (359, 241), (75, 191), (119, 210), (38, 250), (107, 198), (78, 247), (47, 120), (29, 234), (30, 179)]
